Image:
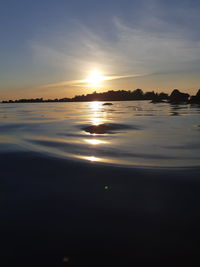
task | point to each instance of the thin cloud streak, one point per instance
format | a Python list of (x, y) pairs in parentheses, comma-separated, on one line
[(132, 51), (68, 41), (160, 59), (84, 82)]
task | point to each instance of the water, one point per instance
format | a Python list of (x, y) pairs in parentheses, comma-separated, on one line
[(135, 133), (61, 200)]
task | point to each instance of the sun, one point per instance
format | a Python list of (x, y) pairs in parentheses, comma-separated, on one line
[(95, 78)]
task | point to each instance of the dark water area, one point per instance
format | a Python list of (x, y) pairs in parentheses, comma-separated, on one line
[(66, 201), (63, 213)]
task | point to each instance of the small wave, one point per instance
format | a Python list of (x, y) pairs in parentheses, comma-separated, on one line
[(11, 127)]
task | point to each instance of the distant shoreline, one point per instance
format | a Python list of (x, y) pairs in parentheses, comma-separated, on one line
[(121, 95), (81, 101)]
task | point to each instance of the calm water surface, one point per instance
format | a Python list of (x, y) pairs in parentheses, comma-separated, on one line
[(136, 133)]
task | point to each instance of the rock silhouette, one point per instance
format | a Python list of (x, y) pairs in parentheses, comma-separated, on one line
[(195, 99), (177, 97)]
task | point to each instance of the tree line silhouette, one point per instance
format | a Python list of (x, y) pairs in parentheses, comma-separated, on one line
[(121, 95)]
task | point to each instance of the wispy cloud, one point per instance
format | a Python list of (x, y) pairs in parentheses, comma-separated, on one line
[(85, 83), (133, 51), (157, 41)]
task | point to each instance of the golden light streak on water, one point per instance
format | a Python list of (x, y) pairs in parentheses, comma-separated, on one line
[(95, 141)]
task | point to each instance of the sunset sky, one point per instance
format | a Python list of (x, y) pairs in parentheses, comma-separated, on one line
[(62, 48)]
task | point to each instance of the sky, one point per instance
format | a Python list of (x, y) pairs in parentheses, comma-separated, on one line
[(52, 48)]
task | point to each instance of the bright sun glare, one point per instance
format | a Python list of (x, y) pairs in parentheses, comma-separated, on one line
[(95, 78)]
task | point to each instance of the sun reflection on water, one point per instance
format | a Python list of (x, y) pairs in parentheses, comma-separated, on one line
[(96, 113), (96, 117), (96, 121), (95, 141), (95, 105), (90, 158)]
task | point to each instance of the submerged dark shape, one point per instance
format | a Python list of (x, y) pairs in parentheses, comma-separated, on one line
[(157, 100), (178, 97), (105, 128), (195, 99), (107, 104)]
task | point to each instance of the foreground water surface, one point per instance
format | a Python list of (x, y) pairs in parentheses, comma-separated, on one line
[(72, 194), (132, 133)]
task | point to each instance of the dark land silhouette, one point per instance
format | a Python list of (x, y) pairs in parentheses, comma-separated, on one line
[(121, 95)]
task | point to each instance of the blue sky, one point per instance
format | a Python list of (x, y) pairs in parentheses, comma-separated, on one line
[(48, 46)]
